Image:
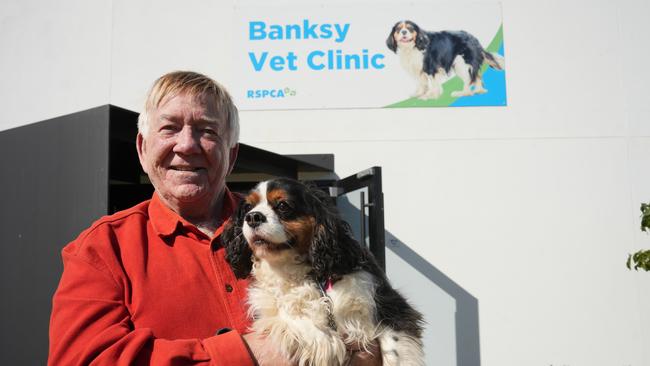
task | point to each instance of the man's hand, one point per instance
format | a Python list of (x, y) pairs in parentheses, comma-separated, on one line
[(262, 351)]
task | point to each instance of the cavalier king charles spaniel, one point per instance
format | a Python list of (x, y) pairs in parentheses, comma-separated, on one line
[(431, 56), (314, 291)]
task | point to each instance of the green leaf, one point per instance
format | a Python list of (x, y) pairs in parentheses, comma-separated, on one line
[(645, 217), (640, 259)]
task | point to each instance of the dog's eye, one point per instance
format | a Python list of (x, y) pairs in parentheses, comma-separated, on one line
[(283, 206), (247, 207)]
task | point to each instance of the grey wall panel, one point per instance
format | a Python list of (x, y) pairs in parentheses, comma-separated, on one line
[(54, 183)]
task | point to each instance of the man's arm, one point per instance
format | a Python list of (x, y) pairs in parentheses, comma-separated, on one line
[(90, 323)]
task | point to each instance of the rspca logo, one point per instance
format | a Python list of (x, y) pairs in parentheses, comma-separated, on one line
[(270, 93)]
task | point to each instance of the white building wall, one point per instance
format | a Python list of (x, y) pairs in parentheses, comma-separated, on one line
[(54, 58), (531, 208)]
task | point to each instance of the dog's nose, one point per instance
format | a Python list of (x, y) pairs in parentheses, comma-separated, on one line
[(255, 218), (403, 31)]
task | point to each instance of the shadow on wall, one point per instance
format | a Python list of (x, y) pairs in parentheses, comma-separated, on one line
[(451, 336), (451, 327)]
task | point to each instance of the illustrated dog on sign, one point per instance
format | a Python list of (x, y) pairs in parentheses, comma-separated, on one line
[(314, 291), (431, 56)]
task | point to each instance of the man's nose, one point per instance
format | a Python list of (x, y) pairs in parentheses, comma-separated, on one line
[(187, 142)]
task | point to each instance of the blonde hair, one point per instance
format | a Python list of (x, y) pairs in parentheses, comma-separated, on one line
[(194, 84)]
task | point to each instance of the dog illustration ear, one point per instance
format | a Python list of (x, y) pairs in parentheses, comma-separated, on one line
[(390, 41), (238, 253), (333, 252), (421, 40)]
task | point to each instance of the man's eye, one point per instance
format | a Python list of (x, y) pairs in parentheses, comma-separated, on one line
[(168, 128)]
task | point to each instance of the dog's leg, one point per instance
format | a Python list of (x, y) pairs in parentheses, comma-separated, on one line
[(478, 86), (422, 85), (434, 85), (462, 69), (302, 341), (354, 308), (398, 348), (297, 322), (320, 347)]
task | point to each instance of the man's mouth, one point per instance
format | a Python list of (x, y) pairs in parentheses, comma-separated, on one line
[(185, 168)]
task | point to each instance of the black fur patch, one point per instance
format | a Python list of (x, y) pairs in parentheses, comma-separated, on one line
[(441, 48), (445, 46), (238, 254)]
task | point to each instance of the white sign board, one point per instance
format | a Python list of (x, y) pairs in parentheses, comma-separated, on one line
[(339, 56)]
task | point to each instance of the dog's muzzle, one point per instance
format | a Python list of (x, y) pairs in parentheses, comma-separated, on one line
[(255, 219)]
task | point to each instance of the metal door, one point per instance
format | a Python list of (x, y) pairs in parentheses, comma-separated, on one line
[(360, 201)]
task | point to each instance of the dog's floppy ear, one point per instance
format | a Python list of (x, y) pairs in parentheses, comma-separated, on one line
[(333, 252), (421, 40), (390, 41), (238, 253)]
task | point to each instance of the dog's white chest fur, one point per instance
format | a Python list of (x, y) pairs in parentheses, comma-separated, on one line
[(411, 59), (292, 311)]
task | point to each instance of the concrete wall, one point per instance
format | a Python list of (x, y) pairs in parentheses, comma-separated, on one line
[(531, 208)]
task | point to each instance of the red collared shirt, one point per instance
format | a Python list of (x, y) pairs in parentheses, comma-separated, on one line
[(145, 287)]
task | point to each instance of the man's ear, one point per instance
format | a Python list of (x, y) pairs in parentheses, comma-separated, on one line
[(140, 145), (234, 151)]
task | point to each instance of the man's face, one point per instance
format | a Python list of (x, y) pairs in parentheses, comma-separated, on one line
[(185, 152)]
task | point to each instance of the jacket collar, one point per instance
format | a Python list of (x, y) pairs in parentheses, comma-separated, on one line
[(166, 222)]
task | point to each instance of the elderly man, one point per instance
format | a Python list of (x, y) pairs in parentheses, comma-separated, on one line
[(149, 285)]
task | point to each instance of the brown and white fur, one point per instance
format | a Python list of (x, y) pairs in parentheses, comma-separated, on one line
[(431, 56), (314, 290)]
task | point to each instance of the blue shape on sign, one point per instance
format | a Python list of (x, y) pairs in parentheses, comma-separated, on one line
[(495, 82)]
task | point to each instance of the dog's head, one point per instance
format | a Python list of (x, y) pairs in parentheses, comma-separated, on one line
[(406, 34), (283, 219)]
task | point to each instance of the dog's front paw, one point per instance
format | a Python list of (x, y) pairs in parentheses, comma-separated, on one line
[(434, 92), (420, 91), (398, 348), (325, 349), (480, 91), (431, 95), (461, 93)]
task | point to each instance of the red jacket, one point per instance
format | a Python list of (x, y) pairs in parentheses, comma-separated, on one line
[(145, 287)]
